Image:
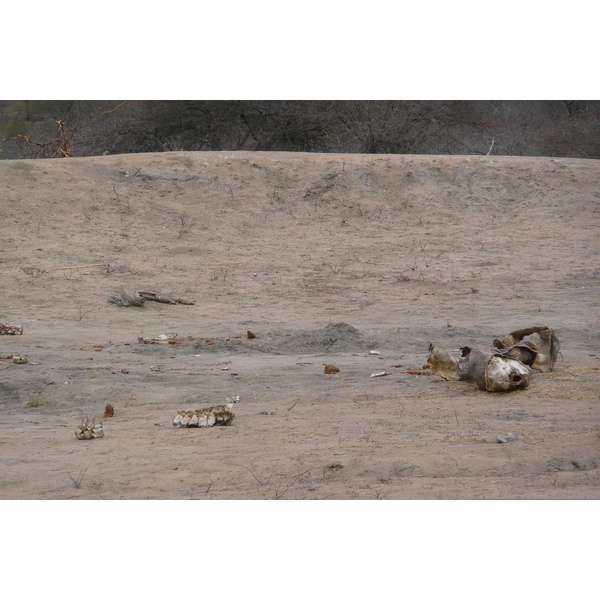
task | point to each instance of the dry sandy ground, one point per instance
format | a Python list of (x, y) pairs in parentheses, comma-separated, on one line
[(325, 258)]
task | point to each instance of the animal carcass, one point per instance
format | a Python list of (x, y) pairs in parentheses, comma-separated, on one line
[(493, 372)]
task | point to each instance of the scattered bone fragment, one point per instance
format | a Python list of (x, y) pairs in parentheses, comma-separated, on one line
[(124, 299), (11, 329), (536, 347), (208, 416), (204, 417), (163, 338), (380, 374), (331, 369), (88, 430), (20, 360), (490, 371), (109, 411)]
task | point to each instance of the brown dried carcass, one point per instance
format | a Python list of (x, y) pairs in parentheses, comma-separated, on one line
[(492, 372), (536, 347), (443, 363)]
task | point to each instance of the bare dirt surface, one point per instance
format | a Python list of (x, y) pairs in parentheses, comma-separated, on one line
[(324, 258)]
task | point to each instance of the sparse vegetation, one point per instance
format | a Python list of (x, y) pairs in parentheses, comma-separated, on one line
[(77, 481), (34, 402), (88, 128)]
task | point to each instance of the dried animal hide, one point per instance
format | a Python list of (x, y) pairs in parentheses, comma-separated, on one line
[(208, 416), (491, 372), (88, 430), (536, 347), (443, 364)]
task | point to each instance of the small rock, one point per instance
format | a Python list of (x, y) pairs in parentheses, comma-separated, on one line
[(336, 466), (506, 437), (403, 470), (109, 411), (330, 369)]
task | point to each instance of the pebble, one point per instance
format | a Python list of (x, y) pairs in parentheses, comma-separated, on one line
[(506, 437)]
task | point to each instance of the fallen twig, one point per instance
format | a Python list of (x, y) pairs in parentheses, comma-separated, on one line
[(59, 145), (36, 272), (77, 481), (79, 267)]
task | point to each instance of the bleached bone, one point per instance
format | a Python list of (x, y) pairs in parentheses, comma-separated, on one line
[(536, 347), (208, 416), (231, 400), (163, 338), (88, 430), (11, 329)]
